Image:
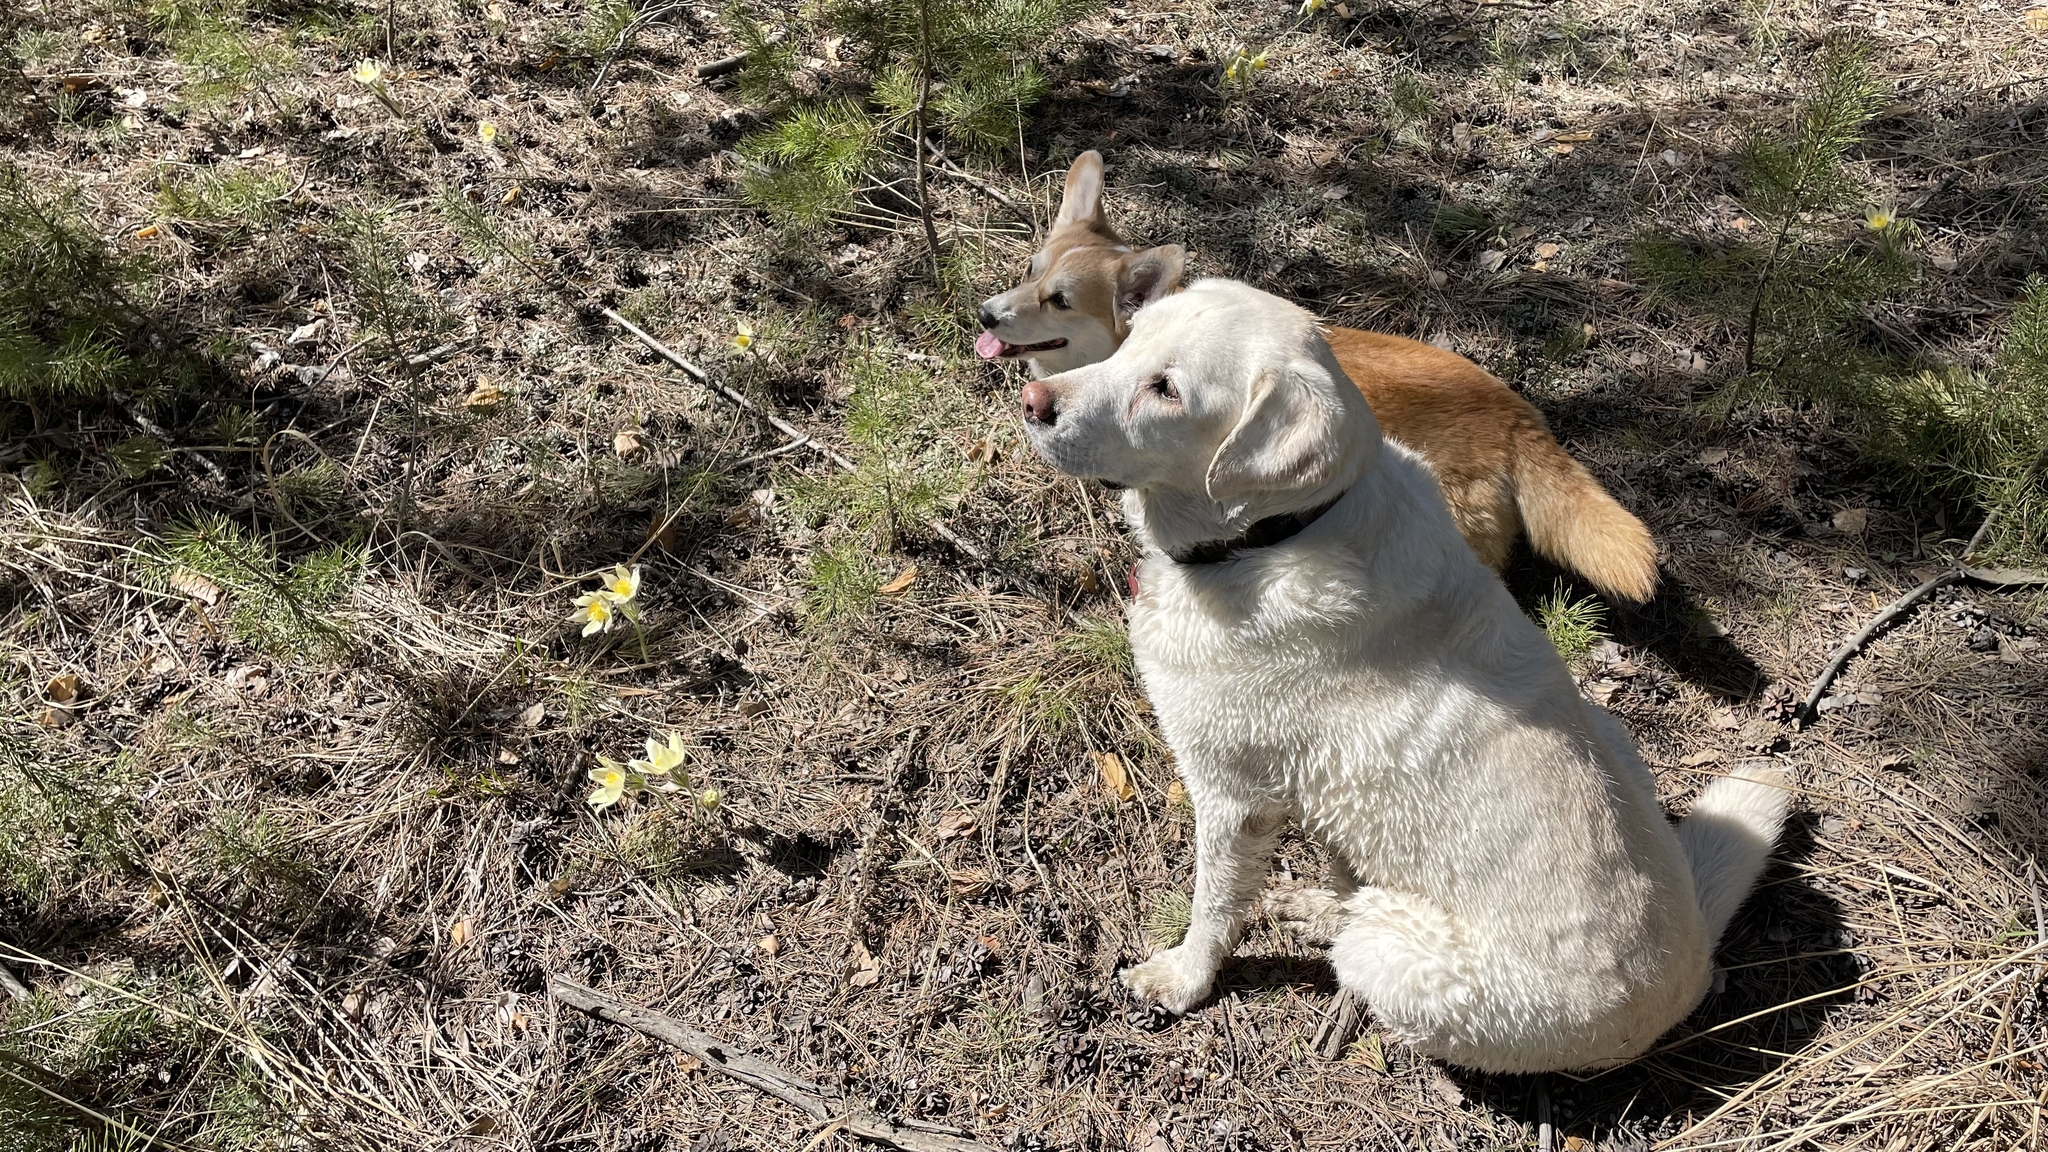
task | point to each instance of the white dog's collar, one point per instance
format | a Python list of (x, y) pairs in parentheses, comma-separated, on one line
[(1261, 534)]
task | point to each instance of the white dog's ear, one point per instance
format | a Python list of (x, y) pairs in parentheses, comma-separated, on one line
[(1082, 202), (1148, 275), (1289, 437)]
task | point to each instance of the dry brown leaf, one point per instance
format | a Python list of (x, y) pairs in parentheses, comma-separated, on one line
[(1176, 793), (62, 690), (1703, 756), (461, 932), (352, 1006), (511, 196), (1561, 149), (1115, 780), (2037, 19), (687, 1064), (1576, 1144), (630, 693), (196, 586), (753, 709), (866, 969), (769, 945), (627, 444), (661, 532), (1852, 520), (901, 581), (955, 824), (1572, 137), (532, 716), (1546, 251), (970, 883), (484, 395)]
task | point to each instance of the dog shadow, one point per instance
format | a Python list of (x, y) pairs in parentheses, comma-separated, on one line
[(1674, 626), (1784, 963)]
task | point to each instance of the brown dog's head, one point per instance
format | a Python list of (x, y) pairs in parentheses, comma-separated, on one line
[(1075, 304)]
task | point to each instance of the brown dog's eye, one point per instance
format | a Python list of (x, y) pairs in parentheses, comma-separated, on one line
[(1164, 387), (1059, 301)]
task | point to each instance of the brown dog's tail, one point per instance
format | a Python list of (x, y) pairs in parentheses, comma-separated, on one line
[(1572, 521)]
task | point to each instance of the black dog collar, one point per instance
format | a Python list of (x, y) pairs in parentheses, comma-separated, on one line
[(1262, 534)]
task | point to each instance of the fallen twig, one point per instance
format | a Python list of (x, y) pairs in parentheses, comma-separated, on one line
[(2004, 577), (625, 39), (796, 436), (1338, 1027), (727, 65), (953, 170), (814, 1100), (157, 430)]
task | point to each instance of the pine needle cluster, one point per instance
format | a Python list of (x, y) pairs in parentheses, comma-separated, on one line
[(1980, 438), (896, 74), (286, 609), (67, 331), (1810, 264)]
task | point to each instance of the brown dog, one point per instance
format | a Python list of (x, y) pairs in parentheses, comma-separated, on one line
[(1500, 468)]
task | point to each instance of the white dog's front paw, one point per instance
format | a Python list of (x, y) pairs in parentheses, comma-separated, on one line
[(1312, 914), (1175, 979)]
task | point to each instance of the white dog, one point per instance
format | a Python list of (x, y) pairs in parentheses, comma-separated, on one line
[(1319, 643)]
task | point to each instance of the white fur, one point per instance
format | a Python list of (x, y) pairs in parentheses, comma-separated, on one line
[(1511, 896)]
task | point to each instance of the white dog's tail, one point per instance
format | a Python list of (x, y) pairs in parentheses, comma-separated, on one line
[(1729, 836)]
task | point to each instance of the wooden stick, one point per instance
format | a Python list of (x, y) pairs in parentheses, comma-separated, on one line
[(814, 1100)]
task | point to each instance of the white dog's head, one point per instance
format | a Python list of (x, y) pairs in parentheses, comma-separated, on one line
[(1225, 405)]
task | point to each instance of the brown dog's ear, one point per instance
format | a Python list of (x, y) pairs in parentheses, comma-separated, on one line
[(1082, 201), (1288, 438), (1148, 275)]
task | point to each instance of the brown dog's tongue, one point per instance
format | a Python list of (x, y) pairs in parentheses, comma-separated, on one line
[(988, 346)]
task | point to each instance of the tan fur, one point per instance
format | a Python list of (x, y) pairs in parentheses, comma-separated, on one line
[(1500, 468)]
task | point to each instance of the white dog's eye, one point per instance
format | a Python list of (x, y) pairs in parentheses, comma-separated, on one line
[(1163, 387), (1059, 301)]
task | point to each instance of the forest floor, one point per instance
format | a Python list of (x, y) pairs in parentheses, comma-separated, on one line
[(296, 730)]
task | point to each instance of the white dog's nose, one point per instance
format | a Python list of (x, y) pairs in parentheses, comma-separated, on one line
[(1038, 404)]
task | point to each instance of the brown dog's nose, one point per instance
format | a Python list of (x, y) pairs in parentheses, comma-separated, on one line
[(1038, 407)]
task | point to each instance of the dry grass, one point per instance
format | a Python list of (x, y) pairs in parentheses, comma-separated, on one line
[(267, 897)]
